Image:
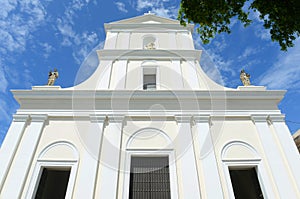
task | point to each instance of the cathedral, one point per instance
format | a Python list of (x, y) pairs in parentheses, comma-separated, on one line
[(149, 124)]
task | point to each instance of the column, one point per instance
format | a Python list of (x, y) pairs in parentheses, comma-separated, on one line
[(10, 144), (89, 159), (23, 161), (274, 158), (110, 156), (186, 155), (288, 146), (208, 160)]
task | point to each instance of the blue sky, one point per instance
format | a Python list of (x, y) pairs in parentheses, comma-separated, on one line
[(37, 36)]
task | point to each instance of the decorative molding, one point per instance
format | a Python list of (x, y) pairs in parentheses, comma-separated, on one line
[(277, 118), (46, 87), (20, 118), (202, 118), (39, 118), (183, 118), (96, 118), (142, 54), (241, 144), (116, 118), (145, 130), (251, 88), (259, 118), (55, 144)]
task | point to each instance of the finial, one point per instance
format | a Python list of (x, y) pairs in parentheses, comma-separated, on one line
[(245, 78), (149, 13), (52, 77)]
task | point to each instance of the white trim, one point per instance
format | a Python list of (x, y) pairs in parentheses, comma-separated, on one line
[(154, 130), (150, 153), (256, 161), (52, 164), (261, 175)]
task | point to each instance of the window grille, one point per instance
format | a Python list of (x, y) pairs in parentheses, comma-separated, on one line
[(149, 178)]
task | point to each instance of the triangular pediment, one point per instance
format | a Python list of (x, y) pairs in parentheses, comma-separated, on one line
[(147, 19)]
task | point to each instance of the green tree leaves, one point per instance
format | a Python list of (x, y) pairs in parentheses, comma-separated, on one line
[(282, 17)]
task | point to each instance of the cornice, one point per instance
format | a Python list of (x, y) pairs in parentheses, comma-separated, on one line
[(147, 26), (142, 54), (172, 100), (153, 94)]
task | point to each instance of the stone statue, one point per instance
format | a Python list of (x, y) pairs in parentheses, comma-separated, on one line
[(52, 77), (245, 78), (150, 46)]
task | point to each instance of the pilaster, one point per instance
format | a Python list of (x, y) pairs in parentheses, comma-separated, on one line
[(287, 146), (274, 158), (185, 153), (10, 144), (212, 183), (22, 162), (110, 156), (89, 159)]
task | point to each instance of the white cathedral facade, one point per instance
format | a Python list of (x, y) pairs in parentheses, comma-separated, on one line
[(149, 124)]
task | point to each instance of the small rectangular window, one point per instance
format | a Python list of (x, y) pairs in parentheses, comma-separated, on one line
[(53, 184), (149, 178), (245, 183), (149, 82)]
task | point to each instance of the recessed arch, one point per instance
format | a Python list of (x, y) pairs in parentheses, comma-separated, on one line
[(60, 150), (149, 138), (239, 150)]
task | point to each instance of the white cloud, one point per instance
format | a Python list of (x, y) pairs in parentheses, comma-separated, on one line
[(121, 6), (15, 28), (81, 42), (161, 8), (47, 49), (6, 7), (285, 72), (3, 80), (248, 52)]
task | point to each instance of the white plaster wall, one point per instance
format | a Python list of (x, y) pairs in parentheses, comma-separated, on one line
[(134, 75), (224, 132), (184, 41)]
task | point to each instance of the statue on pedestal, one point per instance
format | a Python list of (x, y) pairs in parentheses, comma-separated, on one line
[(150, 46), (52, 77), (245, 78)]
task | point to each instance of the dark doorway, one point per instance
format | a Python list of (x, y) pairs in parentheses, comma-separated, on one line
[(53, 184), (245, 183)]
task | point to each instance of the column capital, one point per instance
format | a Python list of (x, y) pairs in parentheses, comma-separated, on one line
[(20, 118), (183, 118), (39, 118), (201, 118), (116, 118), (259, 118), (95, 118), (277, 118)]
